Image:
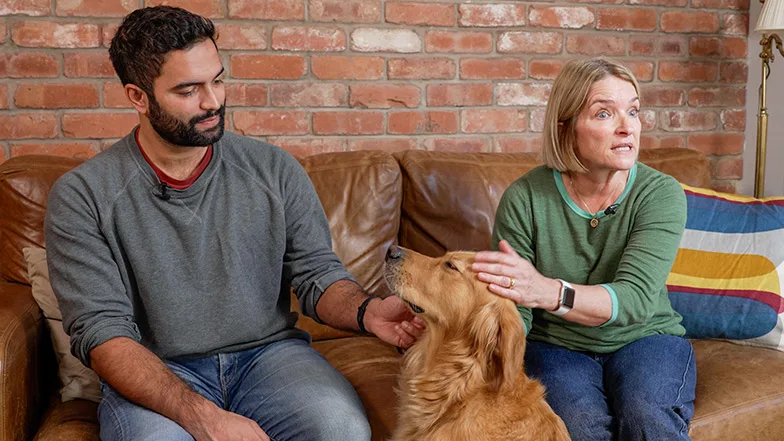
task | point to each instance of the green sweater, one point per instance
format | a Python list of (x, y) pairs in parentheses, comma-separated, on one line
[(629, 253)]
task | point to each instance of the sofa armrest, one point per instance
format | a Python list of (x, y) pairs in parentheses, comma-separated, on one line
[(22, 330)]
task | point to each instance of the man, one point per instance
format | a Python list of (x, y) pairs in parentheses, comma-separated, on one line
[(172, 254)]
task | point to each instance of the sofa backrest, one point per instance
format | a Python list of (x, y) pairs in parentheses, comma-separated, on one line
[(449, 199)]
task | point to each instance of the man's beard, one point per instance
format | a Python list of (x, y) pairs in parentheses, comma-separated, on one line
[(184, 134)]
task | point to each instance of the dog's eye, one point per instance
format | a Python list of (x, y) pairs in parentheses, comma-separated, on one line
[(451, 266)]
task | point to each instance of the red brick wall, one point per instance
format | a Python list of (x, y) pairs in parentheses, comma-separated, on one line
[(333, 75)]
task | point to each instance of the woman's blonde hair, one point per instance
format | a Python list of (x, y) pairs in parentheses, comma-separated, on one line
[(567, 98)]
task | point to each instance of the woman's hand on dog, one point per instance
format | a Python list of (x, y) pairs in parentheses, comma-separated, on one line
[(513, 277), (391, 320)]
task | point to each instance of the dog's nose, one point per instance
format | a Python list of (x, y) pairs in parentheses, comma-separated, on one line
[(394, 252)]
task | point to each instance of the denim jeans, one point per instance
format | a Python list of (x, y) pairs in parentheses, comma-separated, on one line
[(643, 391), (287, 387)]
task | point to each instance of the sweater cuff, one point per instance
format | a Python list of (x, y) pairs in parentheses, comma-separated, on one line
[(100, 333), (614, 300), (311, 297)]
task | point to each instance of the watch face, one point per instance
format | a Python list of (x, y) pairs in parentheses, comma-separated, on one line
[(568, 297)]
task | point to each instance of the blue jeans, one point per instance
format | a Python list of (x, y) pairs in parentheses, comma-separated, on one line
[(643, 391), (287, 387)]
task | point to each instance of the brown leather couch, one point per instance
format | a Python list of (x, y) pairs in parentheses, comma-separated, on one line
[(430, 202)]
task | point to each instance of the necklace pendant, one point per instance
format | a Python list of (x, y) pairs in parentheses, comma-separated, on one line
[(594, 222)]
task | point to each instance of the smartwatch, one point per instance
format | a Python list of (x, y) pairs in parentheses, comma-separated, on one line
[(565, 299)]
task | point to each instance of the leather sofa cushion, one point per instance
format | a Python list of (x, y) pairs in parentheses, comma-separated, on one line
[(450, 199)]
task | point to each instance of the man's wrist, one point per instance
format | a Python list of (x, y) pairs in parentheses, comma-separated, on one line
[(362, 314)]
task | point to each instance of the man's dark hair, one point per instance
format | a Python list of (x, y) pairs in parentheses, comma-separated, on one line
[(147, 35)]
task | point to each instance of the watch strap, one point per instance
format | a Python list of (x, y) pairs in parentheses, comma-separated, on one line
[(565, 299)]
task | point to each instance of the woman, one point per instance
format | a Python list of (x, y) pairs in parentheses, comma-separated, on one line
[(585, 245)]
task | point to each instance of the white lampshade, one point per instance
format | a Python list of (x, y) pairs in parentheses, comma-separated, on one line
[(772, 16)]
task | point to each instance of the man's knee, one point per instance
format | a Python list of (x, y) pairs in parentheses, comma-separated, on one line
[(338, 420), (121, 420)]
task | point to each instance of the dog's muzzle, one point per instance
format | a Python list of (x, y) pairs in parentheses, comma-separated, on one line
[(393, 260)]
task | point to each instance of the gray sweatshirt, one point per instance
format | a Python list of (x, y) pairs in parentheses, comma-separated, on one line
[(207, 270)]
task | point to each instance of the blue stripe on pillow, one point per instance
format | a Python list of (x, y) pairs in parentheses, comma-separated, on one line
[(707, 213)]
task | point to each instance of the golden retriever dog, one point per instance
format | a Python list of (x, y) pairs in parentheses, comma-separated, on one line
[(463, 380)]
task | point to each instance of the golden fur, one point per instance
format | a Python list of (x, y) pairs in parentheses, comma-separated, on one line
[(463, 380)]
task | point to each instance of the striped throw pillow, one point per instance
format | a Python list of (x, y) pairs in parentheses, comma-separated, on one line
[(728, 276)]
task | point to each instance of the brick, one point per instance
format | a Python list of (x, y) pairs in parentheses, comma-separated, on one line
[(560, 17), (56, 96), (723, 96), (545, 69), (458, 42), (301, 38), (267, 122), (417, 123), (384, 96), (348, 123), (627, 19), (689, 72), (518, 144), (493, 120), (454, 144), (607, 2), (735, 24), (642, 70), (88, 64), (303, 147), (3, 31), (733, 119), (536, 119), (268, 67), (246, 94), (591, 45), (491, 15), (686, 22), (688, 120), (717, 143), (334, 67), (283, 10), (421, 68), (420, 14), (28, 65), (460, 94), (492, 68), (663, 96), (309, 95), (648, 120), (98, 125), (668, 3), (28, 125), (95, 8), (721, 4), (80, 150), (658, 46), (205, 8), (386, 144), (728, 168), (657, 142), (725, 186), (241, 36), (345, 11), (59, 35), (519, 42), (522, 94), (107, 33), (25, 7), (736, 72), (114, 96), (385, 40), (3, 96), (717, 47)]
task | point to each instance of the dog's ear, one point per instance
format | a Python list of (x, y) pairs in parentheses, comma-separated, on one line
[(499, 342)]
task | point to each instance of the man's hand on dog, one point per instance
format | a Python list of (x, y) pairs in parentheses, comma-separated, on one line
[(513, 277), (391, 320)]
